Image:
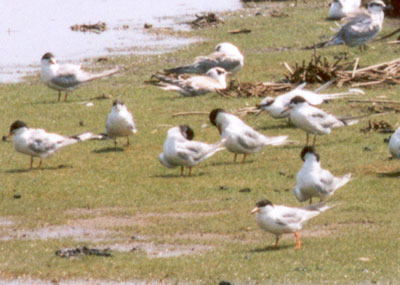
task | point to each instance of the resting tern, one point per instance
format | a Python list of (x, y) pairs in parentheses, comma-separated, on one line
[(66, 77), (275, 106), (214, 80), (280, 220), (359, 28), (39, 143), (313, 120), (120, 122), (313, 181), (180, 150), (394, 144), (241, 138), (226, 55), (343, 8)]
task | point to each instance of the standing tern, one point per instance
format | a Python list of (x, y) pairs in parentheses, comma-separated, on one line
[(180, 150), (241, 138), (314, 181), (275, 106), (313, 120), (359, 28), (39, 143), (214, 80), (226, 55), (394, 144), (280, 220), (120, 122), (66, 77)]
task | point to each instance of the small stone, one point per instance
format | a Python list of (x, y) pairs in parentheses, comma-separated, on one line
[(81, 124), (365, 259), (277, 190), (4, 138), (17, 196), (282, 173), (287, 190), (386, 140), (365, 270), (245, 190), (367, 148), (224, 283), (258, 14), (300, 269), (148, 26), (223, 187)]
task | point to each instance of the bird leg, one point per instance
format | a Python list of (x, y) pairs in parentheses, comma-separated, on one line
[(31, 162), (40, 163), (65, 97), (59, 96), (115, 143), (190, 171), (307, 140), (127, 140), (276, 243), (244, 158), (315, 138), (234, 158), (310, 200), (181, 170), (298, 242)]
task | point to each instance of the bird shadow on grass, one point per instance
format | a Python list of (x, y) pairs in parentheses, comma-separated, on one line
[(178, 175), (108, 149), (61, 166), (239, 162), (277, 127), (270, 248), (393, 174)]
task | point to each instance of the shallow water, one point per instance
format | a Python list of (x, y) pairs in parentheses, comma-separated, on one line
[(31, 28)]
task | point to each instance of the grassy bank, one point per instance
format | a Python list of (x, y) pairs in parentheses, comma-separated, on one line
[(163, 227)]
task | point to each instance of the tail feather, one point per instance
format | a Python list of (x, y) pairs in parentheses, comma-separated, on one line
[(87, 136), (182, 69), (320, 207), (103, 74), (341, 181), (218, 146), (351, 92), (279, 140)]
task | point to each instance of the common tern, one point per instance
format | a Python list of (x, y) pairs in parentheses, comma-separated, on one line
[(394, 144), (314, 181), (180, 150), (66, 77), (342, 8), (280, 220), (214, 80), (120, 122), (39, 143), (275, 106), (313, 120), (241, 138), (226, 55), (359, 28)]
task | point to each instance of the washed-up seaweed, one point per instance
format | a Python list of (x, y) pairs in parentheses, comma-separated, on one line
[(95, 28), (73, 252), (206, 20), (381, 126)]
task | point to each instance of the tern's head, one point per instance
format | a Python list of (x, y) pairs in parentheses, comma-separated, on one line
[(261, 205), (376, 6), (118, 105), (16, 126), (227, 48), (48, 59), (309, 151), (266, 103), (218, 73), (186, 132)]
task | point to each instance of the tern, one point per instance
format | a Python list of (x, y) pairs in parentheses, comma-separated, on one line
[(280, 220), (359, 28), (120, 122), (314, 181), (394, 144), (275, 106), (179, 149), (214, 80), (39, 143), (66, 77), (241, 138), (226, 55), (313, 120)]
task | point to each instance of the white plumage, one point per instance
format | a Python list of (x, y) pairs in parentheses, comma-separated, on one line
[(343, 8), (394, 144)]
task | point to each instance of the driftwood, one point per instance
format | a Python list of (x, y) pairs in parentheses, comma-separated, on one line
[(381, 126), (237, 89), (240, 31), (206, 20)]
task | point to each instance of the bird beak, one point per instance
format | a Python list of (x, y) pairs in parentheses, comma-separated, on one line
[(219, 129), (255, 210), (287, 109), (52, 61)]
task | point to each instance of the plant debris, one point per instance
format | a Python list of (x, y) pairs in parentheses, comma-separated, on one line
[(381, 126), (72, 252), (97, 28), (206, 20), (240, 31), (246, 89), (276, 13)]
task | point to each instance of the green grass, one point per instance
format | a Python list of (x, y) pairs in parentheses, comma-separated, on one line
[(88, 181)]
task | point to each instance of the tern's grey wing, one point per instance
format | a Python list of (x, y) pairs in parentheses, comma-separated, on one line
[(65, 80), (41, 146), (359, 30), (249, 140), (193, 151), (288, 218)]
